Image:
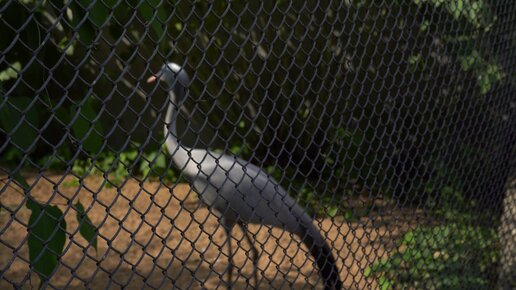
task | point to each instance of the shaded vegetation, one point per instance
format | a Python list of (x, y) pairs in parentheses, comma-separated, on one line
[(407, 99), (342, 93), (459, 249), (451, 256)]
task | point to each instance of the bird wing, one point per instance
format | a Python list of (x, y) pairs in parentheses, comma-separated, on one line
[(240, 190)]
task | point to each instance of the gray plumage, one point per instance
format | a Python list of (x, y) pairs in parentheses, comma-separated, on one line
[(238, 191)]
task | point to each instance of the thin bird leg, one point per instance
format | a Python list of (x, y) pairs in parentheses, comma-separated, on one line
[(255, 253), (230, 258)]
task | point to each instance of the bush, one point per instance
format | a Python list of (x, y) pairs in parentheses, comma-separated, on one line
[(353, 104), (452, 256)]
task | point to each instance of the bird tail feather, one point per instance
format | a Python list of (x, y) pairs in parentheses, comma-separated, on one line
[(321, 252)]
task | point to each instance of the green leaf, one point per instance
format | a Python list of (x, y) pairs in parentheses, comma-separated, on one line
[(385, 283), (161, 161), (98, 11), (86, 228), (332, 211), (409, 238), (20, 180), (65, 46), (62, 115), (129, 155), (72, 183), (154, 13), (379, 265), (86, 129), (16, 117), (47, 235), (368, 272), (11, 72), (84, 28), (79, 167), (155, 160), (145, 165)]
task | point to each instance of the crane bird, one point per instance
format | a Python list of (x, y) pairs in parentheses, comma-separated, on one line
[(237, 191)]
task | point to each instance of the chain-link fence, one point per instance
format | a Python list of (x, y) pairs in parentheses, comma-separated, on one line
[(350, 144)]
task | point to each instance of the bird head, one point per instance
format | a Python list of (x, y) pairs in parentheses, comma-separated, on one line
[(173, 76)]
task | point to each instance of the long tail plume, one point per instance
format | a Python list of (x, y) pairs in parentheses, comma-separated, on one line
[(322, 254)]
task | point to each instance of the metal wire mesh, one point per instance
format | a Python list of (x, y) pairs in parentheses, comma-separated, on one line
[(336, 144)]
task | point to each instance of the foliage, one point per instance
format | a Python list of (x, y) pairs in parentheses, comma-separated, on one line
[(86, 127), (47, 235), (47, 232), (11, 72), (20, 119), (157, 163), (352, 93), (460, 252), (64, 35), (397, 146), (369, 101), (116, 167), (450, 256), (86, 227)]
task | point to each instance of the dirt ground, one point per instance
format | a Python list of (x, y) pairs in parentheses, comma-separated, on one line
[(152, 235)]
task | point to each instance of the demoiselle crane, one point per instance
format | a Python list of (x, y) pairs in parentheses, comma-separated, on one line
[(237, 191)]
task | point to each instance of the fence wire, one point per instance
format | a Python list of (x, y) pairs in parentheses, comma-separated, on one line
[(360, 144)]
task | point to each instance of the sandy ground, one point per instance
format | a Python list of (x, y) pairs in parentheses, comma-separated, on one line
[(153, 235)]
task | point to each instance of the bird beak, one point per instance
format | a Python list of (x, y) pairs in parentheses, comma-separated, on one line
[(151, 79)]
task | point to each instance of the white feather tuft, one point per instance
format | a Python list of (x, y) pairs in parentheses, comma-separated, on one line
[(174, 67)]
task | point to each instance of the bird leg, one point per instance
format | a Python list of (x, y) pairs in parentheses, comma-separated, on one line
[(230, 257), (254, 253)]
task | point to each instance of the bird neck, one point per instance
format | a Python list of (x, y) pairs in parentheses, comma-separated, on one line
[(181, 155)]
